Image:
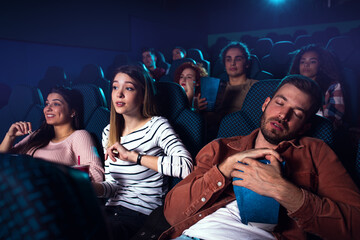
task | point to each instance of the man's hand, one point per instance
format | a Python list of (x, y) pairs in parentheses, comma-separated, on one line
[(264, 179), (259, 177), (231, 163)]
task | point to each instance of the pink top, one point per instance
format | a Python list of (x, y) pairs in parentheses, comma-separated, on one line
[(79, 143)]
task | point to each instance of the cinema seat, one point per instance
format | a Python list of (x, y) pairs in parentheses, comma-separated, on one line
[(93, 74), (25, 104), (278, 61), (53, 76), (262, 47), (189, 125), (256, 71), (197, 55), (175, 107), (302, 41), (44, 200), (5, 91), (161, 62), (96, 114)]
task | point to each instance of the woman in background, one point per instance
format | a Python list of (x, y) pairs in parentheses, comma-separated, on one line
[(322, 66), (141, 148), (59, 139), (188, 76)]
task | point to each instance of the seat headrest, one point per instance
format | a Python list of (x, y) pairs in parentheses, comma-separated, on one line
[(280, 51), (195, 54), (93, 98), (21, 100), (255, 66), (343, 47), (171, 99), (176, 63), (90, 73)]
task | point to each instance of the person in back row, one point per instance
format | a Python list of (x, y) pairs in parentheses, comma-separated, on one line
[(59, 139), (315, 193), (189, 75), (231, 94), (236, 58), (149, 59), (141, 149), (178, 53), (322, 66)]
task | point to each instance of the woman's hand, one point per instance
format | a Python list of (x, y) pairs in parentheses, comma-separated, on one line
[(117, 150), (200, 103), (19, 129), (16, 129)]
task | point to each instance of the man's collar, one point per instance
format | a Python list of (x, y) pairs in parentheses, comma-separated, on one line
[(281, 147)]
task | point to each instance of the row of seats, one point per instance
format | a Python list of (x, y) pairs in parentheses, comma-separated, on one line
[(172, 99), (343, 46), (173, 104), (89, 74), (192, 53), (268, 60), (273, 65), (33, 205), (79, 216), (319, 37), (25, 104), (44, 200)]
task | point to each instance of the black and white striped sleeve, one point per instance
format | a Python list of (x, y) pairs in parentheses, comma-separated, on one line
[(177, 161)]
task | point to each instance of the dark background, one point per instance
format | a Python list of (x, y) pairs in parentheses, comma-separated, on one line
[(70, 34)]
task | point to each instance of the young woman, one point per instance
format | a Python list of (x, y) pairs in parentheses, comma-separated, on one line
[(140, 149), (58, 139), (321, 66), (188, 76)]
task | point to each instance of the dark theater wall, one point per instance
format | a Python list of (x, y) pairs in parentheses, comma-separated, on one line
[(25, 62), (163, 37), (38, 34), (71, 34), (76, 24)]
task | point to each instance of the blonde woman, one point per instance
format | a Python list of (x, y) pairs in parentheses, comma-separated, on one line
[(141, 149)]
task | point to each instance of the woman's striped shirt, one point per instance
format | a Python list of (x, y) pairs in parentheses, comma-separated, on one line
[(137, 187)]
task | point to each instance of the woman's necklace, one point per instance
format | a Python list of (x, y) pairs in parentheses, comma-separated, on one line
[(58, 139)]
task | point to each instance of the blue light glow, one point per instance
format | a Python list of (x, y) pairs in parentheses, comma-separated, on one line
[(277, 1)]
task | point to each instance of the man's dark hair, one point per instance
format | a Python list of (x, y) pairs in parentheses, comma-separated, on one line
[(307, 86), (181, 49), (241, 46), (151, 50)]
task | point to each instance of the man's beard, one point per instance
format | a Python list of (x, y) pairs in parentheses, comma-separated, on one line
[(272, 135)]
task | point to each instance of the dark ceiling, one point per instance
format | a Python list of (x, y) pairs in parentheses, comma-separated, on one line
[(107, 24), (239, 15)]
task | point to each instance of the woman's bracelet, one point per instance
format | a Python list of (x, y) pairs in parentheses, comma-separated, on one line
[(138, 160)]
